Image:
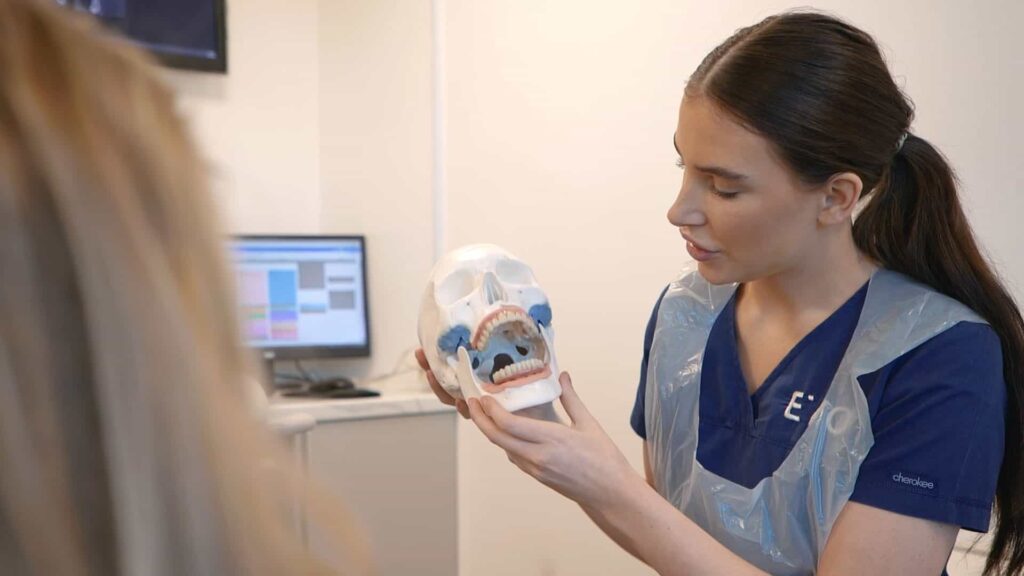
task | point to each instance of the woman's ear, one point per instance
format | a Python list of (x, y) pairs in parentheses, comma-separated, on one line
[(841, 193)]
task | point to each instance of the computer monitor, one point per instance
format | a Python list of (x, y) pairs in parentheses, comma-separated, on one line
[(188, 34), (303, 296)]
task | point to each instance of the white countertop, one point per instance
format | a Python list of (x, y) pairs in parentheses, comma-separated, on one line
[(388, 404)]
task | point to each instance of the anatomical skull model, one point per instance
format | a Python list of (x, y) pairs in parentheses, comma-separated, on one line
[(485, 328)]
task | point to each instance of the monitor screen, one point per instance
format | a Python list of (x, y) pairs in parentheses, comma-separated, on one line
[(181, 33), (303, 296)]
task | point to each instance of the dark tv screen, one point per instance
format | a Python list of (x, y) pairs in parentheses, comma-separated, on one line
[(181, 33)]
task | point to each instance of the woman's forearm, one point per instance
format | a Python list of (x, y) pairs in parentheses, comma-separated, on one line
[(582, 463), (650, 528)]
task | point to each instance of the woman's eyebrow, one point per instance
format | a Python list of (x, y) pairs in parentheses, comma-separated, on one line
[(716, 170)]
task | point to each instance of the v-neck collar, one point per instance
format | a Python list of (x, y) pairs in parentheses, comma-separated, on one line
[(750, 414)]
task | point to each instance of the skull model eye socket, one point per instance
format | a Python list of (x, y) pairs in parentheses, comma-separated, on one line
[(455, 287), (513, 272)]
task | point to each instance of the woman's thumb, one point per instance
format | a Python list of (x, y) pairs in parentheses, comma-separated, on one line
[(574, 407)]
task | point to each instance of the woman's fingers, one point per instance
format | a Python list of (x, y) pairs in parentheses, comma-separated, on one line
[(493, 432), (421, 358), (521, 427), (574, 407)]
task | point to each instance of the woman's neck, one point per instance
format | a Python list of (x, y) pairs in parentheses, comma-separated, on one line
[(822, 281)]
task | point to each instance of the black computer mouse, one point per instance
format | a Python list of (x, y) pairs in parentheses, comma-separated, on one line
[(324, 387), (352, 393)]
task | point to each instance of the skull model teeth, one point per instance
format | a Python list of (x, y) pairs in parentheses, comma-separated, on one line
[(487, 301)]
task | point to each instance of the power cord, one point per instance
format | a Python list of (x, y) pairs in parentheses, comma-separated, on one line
[(303, 378), (307, 378), (406, 363), (309, 384)]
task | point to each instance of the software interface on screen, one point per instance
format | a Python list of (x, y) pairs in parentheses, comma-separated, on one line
[(301, 293)]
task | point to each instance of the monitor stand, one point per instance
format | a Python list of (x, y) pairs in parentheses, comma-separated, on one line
[(267, 362), (312, 386)]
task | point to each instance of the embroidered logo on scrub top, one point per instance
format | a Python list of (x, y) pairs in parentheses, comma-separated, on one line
[(917, 482), (794, 405)]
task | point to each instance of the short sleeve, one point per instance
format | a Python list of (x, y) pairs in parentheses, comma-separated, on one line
[(938, 418), (636, 419)]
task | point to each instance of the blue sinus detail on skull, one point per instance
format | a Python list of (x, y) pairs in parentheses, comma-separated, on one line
[(541, 313), (451, 340), (485, 328)]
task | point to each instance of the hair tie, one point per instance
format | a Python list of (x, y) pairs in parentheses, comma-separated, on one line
[(903, 139)]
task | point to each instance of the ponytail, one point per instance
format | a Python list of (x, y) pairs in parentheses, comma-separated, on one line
[(914, 224)]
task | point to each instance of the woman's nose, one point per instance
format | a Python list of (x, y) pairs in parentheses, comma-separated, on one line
[(687, 210)]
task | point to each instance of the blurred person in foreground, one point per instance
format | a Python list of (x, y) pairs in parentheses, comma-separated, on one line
[(126, 444)]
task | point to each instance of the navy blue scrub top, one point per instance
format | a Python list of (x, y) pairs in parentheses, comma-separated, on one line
[(937, 414)]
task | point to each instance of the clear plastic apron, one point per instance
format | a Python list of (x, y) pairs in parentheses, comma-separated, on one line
[(781, 524)]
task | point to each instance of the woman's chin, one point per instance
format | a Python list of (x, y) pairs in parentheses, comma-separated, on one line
[(715, 273)]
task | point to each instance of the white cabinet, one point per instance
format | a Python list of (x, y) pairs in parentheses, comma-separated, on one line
[(391, 462)]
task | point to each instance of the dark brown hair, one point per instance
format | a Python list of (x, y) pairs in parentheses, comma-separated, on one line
[(820, 91)]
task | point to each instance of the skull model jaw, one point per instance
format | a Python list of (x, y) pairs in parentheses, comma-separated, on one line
[(485, 329)]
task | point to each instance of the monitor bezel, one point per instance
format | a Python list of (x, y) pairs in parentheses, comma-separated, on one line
[(217, 65), (315, 352)]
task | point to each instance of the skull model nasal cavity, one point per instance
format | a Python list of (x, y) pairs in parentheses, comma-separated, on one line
[(493, 292)]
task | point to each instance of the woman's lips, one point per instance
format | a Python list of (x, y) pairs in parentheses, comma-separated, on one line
[(699, 254)]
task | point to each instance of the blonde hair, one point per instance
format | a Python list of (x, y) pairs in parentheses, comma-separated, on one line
[(125, 445)]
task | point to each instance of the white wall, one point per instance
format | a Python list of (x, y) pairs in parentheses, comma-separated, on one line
[(560, 116), (259, 125), (375, 155)]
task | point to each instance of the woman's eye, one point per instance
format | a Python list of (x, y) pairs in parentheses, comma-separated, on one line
[(679, 163), (723, 193)]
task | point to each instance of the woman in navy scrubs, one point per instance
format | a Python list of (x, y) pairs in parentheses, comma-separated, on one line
[(854, 384)]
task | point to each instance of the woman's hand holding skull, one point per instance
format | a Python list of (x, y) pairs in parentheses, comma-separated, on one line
[(577, 459)]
